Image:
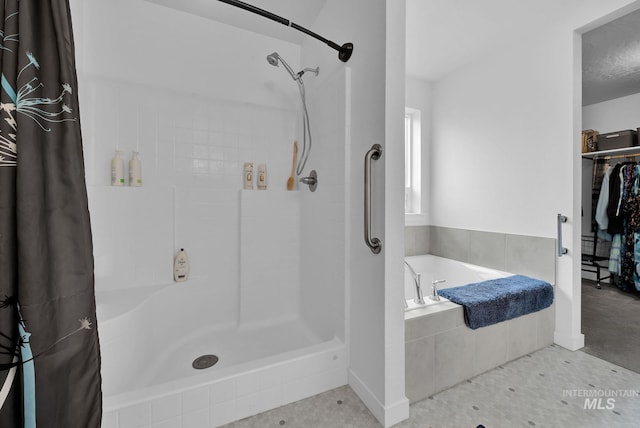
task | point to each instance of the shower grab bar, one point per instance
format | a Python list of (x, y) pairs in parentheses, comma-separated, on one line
[(374, 153), (561, 250)]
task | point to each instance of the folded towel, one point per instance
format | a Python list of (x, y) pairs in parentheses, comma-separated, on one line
[(490, 302)]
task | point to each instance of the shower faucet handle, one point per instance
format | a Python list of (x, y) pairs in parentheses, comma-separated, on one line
[(311, 180)]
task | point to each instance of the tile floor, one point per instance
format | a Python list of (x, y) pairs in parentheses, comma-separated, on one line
[(544, 389)]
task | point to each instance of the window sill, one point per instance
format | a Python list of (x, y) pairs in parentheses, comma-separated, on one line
[(415, 219)]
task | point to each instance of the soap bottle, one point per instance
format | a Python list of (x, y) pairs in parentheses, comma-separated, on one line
[(135, 171), (117, 169), (181, 266), (262, 177), (248, 176)]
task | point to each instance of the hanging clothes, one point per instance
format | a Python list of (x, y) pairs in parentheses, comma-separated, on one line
[(601, 169), (600, 213), (608, 218), (633, 225), (616, 185), (50, 364), (619, 212), (627, 268), (615, 257)]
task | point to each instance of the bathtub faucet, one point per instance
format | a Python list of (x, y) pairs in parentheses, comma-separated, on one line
[(416, 277), (434, 293)]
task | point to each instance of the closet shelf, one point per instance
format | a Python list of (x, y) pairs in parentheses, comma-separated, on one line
[(633, 150)]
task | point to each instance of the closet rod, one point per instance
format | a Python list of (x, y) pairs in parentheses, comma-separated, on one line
[(616, 156), (344, 51)]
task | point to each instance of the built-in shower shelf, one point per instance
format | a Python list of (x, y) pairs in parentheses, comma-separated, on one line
[(630, 151)]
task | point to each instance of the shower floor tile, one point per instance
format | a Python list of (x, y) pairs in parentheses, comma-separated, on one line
[(552, 387)]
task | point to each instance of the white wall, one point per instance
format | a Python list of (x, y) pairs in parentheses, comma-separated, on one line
[(506, 146), (418, 94), (152, 45), (375, 336), (613, 115), (498, 147), (396, 403), (323, 243)]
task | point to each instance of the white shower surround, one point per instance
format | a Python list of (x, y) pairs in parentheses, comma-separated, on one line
[(162, 84), (147, 351), (247, 261), (245, 247)]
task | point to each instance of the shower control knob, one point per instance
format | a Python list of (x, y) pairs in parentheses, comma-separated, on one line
[(311, 180)]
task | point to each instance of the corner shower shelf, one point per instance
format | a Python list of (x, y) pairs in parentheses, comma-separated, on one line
[(629, 151)]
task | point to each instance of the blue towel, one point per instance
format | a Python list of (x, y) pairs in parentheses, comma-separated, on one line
[(490, 302)]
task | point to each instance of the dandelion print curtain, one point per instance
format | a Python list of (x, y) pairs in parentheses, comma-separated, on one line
[(49, 351)]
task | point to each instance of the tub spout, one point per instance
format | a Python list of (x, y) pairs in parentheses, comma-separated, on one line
[(434, 285), (419, 299)]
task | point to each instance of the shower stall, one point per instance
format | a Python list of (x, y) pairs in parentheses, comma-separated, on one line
[(270, 301)]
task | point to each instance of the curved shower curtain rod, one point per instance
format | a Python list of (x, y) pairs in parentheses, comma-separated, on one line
[(344, 51)]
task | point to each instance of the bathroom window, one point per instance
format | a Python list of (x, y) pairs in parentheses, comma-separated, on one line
[(407, 161), (412, 170)]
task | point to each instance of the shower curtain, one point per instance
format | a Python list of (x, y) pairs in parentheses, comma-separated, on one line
[(49, 351)]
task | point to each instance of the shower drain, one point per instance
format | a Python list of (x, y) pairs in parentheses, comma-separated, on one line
[(204, 362)]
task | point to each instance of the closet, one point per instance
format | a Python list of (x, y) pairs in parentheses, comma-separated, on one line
[(610, 102), (611, 236)]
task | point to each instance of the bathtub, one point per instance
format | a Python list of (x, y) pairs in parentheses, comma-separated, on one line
[(454, 273), (440, 350), (148, 348)]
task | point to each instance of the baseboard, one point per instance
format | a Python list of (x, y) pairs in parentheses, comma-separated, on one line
[(397, 412), (387, 416), (572, 343)]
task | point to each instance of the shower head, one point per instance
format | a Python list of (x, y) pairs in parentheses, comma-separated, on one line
[(273, 59)]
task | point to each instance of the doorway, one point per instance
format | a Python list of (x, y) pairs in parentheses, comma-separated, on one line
[(610, 121)]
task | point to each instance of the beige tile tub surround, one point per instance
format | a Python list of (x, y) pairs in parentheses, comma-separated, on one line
[(519, 254), (440, 350)]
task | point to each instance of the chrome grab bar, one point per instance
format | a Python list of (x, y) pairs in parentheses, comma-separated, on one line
[(561, 250), (374, 243)]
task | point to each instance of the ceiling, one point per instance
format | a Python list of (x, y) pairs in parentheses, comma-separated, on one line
[(611, 60), (444, 35), (301, 12)]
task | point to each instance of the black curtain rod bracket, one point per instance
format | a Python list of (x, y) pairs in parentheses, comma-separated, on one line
[(344, 51)]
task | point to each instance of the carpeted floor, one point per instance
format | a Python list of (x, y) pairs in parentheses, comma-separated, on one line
[(611, 324)]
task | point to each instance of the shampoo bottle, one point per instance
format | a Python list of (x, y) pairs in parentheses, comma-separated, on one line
[(135, 171), (262, 177), (247, 171), (117, 169), (181, 266)]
